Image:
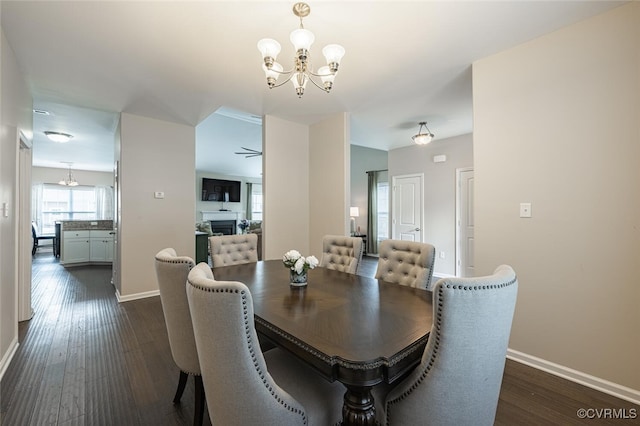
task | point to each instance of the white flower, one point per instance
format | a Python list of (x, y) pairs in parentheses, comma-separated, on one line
[(312, 261), (297, 262), (299, 266), (292, 255)]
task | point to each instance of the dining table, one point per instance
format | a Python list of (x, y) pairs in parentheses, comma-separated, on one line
[(357, 330)]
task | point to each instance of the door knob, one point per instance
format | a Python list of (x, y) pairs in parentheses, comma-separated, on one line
[(417, 229)]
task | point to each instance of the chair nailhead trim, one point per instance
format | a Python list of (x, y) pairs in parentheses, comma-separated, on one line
[(256, 364), (437, 327)]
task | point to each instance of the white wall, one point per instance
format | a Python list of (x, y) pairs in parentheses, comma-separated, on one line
[(329, 177), (364, 160), (557, 124), (15, 118), (285, 163), (439, 195), (155, 156)]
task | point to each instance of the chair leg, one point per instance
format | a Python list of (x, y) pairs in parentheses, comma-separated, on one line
[(198, 415), (35, 247), (182, 382)]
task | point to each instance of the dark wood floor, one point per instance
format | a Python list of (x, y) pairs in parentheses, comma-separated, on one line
[(85, 359)]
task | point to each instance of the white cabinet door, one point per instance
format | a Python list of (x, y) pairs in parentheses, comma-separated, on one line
[(75, 247), (101, 246)]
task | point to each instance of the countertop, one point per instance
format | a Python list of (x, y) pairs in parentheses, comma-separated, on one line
[(77, 225)]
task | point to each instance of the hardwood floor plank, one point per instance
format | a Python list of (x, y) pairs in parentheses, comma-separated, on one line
[(85, 359)]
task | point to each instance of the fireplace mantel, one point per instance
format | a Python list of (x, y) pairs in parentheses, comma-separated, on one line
[(222, 215)]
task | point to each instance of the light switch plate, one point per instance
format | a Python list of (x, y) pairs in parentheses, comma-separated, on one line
[(525, 209), (158, 194)]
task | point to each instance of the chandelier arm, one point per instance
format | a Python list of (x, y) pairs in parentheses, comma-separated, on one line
[(316, 84), (320, 75), (284, 82), (283, 72)]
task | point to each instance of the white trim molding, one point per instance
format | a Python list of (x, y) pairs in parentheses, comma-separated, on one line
[(605, 386), (6, 360), (136, 296)]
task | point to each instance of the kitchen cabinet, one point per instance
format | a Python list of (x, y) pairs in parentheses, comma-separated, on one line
[(101, 246), (75, 247), (86, 246)]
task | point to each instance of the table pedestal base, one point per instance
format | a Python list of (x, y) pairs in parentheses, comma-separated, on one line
[(358, 408)]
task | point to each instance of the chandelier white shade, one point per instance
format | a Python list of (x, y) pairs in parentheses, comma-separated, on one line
[(423, 138), (302, 71), (69, 180)]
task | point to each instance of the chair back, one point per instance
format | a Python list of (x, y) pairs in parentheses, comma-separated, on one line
[(341, 253), (172, 272), (407, 263), (233, 249), (238, 387), (458, 380)]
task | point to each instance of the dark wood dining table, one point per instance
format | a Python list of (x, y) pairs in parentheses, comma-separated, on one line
[(354, 329)]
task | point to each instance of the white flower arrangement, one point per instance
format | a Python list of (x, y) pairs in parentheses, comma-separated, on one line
[(298, 263)]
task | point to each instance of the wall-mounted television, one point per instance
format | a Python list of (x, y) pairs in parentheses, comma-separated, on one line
[(220, 190)]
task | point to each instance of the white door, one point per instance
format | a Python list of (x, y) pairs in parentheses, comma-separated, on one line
[(465, 264), (407, 207)]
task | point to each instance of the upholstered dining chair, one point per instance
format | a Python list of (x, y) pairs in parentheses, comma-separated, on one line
[(407, 263), (458, 380), (233, 249), (243, 385), (172, 272), (341, 253)]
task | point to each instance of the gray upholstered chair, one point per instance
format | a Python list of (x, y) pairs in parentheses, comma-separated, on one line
[(341, 253), (458, 380), (243, 385), (407, 263), (233, 249), (172, 272)]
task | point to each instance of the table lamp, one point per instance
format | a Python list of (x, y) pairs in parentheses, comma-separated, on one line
[(353, 212)]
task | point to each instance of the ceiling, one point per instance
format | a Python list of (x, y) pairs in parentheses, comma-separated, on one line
[(180, 61)]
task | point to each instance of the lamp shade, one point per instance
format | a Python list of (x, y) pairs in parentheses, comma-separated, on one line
[(274, 71), (333, 53), (269, 48), (354, 211), (302, 39), (326, 74), (423, 138)]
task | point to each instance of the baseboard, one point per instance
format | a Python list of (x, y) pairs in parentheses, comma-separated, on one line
[(136, 296), (6, 360), (605, 386)]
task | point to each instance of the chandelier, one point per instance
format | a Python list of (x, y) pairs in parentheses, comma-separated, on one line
[(423, 138), (302, 71), (69, 180)]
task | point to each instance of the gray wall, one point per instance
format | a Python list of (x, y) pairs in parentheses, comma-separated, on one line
[(557, 124), (439, 196), (364, 160)]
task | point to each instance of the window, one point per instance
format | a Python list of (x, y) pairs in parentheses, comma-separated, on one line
[(383, 211), (55, 203), (256, 201)]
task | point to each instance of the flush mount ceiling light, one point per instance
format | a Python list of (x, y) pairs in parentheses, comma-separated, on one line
[(423, 138), (302, 71), (58, 136), (69, 180)]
